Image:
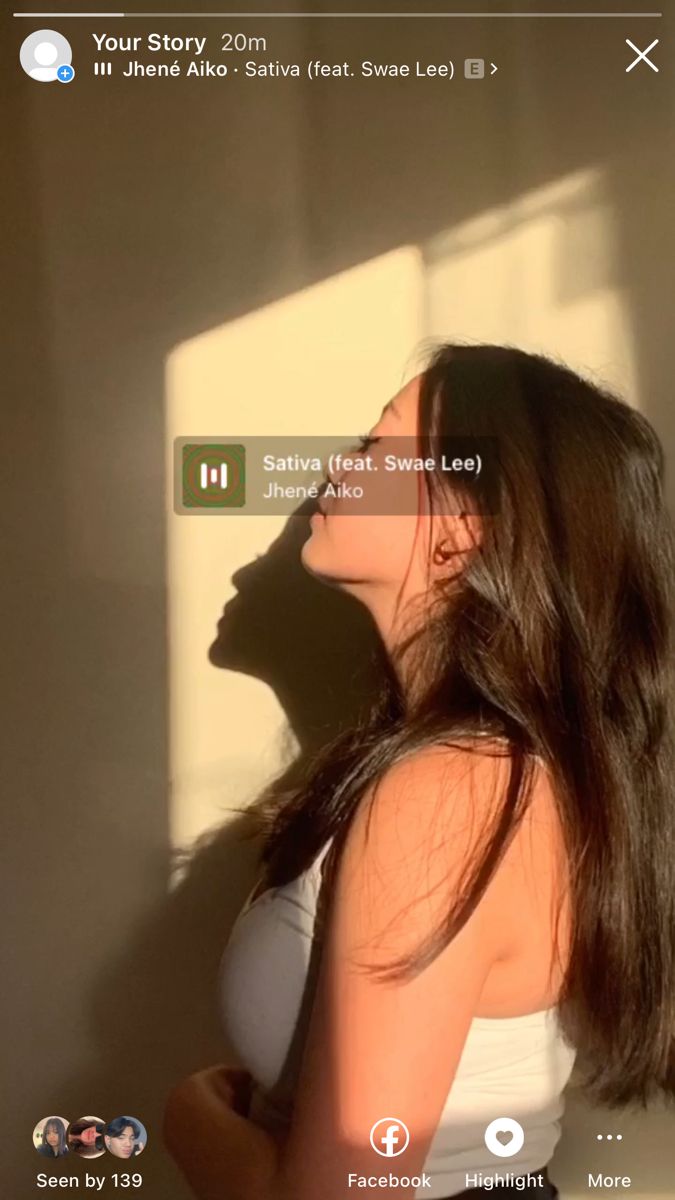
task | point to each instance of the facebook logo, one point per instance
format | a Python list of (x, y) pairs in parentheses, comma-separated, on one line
[(389, 1137)]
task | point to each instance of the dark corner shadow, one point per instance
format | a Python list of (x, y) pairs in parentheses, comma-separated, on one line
[(317, 650)]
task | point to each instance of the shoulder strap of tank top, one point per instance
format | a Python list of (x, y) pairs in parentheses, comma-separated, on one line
[(327, 878)]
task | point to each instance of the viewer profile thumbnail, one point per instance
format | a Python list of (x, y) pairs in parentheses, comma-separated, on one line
[(85, 1137), (49, 1137), (125, 1137)]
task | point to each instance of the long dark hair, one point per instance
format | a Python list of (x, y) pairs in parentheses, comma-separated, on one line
[(116, 1128), (54, 1123), (75, 1132), (560, 641)]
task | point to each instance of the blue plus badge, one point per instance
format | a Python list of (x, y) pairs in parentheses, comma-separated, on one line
[(65, 73)]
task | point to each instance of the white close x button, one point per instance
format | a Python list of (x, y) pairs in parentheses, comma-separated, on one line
[(642, 55)]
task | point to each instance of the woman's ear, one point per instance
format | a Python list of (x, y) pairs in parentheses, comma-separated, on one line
[(456, 538)]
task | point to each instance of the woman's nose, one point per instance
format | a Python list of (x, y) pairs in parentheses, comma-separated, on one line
[(334, 477)]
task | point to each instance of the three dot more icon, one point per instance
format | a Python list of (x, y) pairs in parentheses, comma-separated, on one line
[(46, 56)]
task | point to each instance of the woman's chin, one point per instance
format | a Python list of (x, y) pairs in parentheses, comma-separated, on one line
[(316, 560), (310, 554)]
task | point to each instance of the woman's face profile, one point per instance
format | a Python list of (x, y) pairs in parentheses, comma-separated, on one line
[(383, 555), (88, 1135), (52, 1136), (124, 1144), (348, 547)]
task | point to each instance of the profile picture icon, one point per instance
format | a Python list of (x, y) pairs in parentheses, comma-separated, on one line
[(44, 54), (125, 1137), (49, 1137), (85, 1137)]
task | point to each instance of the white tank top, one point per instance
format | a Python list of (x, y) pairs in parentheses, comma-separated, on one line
[(510, 1066)]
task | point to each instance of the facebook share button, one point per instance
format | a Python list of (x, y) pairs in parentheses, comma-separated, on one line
[(389, 1137)]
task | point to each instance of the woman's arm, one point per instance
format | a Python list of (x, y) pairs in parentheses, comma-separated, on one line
[(374, 1050), (223, 1155)]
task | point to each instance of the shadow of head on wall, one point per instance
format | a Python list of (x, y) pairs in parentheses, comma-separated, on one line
[(312, 644), (319, 652)]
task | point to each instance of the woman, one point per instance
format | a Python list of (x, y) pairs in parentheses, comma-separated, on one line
[(53, 1143), (123, 1137), (85, 1137), (484, 873)]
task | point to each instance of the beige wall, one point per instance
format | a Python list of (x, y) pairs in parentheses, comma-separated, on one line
[(261, 258)]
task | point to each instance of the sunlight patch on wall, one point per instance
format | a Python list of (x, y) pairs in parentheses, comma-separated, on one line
[(322, 361), (540, 273)]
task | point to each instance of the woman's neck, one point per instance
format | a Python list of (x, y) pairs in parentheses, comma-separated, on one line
[(401, 632)]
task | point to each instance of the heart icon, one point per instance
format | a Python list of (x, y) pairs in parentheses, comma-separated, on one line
[(504, 1137)]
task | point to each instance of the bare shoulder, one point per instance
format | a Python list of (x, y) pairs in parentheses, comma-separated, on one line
[(437, 794), (420, 832), (417, 833)]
